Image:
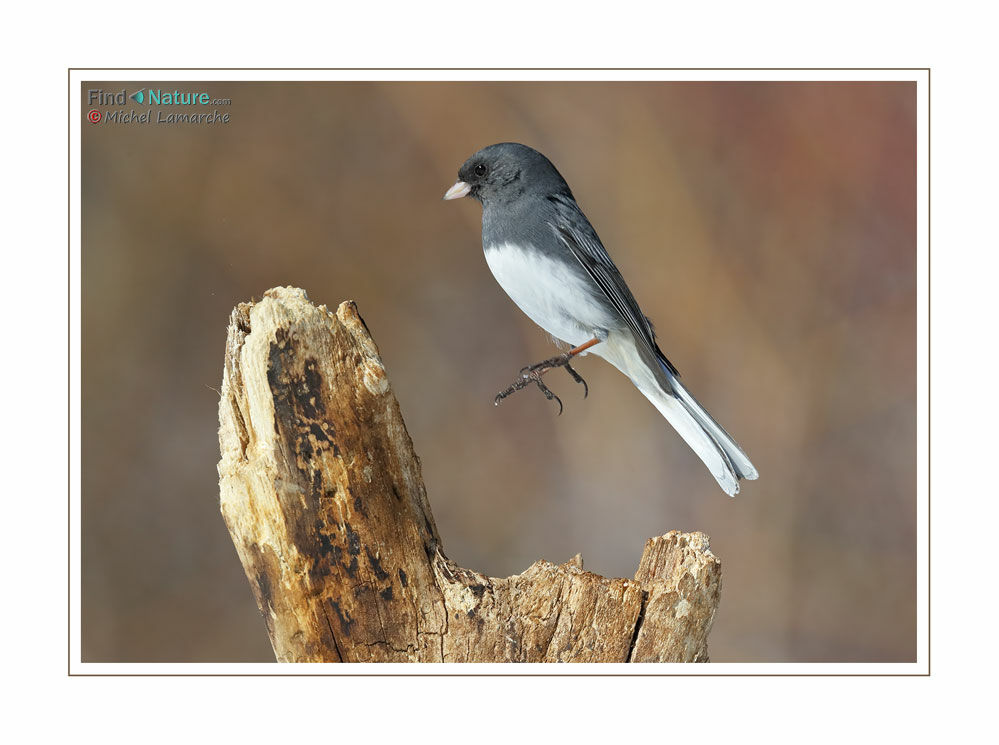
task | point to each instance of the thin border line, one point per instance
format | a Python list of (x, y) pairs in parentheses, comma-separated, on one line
[(69, 373), (518, 69), (489, 675), (929, 370)]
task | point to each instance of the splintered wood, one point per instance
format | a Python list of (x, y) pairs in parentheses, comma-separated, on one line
[(324, 499)]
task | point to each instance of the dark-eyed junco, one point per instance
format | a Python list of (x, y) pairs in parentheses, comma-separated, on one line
[(546, 256)]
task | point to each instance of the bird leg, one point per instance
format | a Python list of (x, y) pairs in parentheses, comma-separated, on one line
[(533, 374)]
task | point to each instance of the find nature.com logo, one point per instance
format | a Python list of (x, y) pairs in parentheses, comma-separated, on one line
[(178, 103)]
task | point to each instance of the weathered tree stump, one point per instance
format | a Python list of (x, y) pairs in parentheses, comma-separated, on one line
[(323, 496)]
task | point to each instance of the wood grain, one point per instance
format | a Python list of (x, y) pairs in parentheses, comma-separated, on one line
[(324, 499)]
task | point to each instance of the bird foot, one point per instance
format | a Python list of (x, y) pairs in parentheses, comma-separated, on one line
[(534, 373)]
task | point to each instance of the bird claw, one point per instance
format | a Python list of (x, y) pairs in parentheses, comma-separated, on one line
[(549, 394), (533, 374), (578, 378)]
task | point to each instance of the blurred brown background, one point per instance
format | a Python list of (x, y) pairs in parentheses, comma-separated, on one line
[(768, 229)]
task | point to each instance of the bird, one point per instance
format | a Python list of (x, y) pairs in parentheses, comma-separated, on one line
[(546, 256)]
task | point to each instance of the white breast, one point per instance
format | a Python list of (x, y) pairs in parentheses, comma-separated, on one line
[(554, 295)]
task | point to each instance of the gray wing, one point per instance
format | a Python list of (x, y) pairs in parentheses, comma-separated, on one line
[(575, 232)]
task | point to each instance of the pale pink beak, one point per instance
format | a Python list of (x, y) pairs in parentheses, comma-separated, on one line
[(459, 190)]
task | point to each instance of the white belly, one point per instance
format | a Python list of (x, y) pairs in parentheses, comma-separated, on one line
[(556, 297)]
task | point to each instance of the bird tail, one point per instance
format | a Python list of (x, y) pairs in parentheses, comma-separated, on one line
[(713, 445)]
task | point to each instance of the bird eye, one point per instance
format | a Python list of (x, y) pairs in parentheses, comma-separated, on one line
[(480, 170)]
